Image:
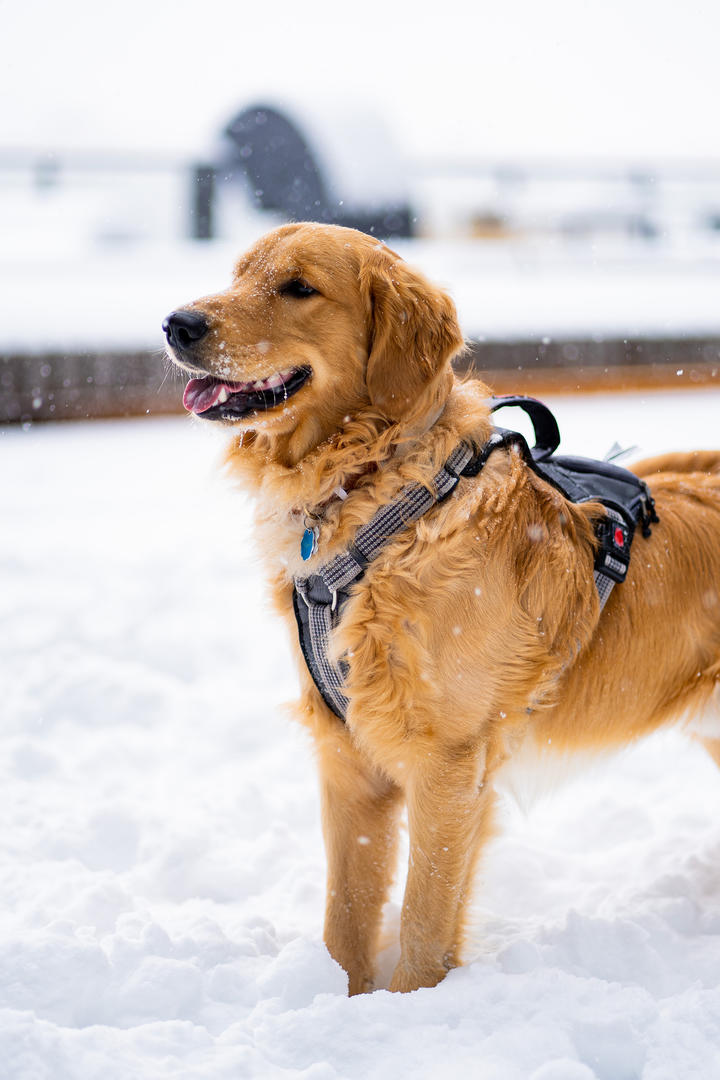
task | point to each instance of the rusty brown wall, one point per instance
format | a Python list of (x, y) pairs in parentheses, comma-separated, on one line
[(60, 386)]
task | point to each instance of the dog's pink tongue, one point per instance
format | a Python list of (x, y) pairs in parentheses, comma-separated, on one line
[(201, 394)]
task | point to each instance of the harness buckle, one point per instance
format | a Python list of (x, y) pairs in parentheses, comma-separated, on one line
[(613, 554), (302, 587)]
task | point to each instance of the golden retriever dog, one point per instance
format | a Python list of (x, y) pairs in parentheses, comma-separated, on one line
[(475, 640)]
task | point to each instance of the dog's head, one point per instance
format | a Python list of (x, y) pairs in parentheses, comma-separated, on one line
[(319, 322)]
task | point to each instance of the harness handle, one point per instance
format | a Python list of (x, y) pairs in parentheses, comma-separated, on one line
[(547, 433)]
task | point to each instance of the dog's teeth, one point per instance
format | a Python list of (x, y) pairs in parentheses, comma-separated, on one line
[(258, 385), (223, 396)]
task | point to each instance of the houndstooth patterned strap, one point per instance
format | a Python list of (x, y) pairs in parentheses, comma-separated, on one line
[(412, 503), (322, 618), (604, 587)]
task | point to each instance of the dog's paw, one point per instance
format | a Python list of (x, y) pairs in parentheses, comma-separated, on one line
[(409, 977), (360, 984)]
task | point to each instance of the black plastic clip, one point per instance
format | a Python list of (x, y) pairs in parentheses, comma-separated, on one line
[(613, 554)]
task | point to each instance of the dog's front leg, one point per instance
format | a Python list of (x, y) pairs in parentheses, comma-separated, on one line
[(360, 810), (449, 812)]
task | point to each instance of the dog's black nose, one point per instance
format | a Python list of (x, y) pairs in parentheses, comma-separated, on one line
[(184, 328)]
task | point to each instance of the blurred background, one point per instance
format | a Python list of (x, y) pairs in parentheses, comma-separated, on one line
[(555, 165)]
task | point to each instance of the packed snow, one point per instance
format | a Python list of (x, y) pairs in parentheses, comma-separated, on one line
[(161, 860)]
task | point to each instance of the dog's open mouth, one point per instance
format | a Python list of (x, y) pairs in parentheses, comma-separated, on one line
[(217, 399)]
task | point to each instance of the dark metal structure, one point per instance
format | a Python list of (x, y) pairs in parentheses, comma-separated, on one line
[(281, 170), (271, 156)]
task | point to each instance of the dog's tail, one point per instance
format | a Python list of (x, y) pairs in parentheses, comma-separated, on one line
[(702, 461)]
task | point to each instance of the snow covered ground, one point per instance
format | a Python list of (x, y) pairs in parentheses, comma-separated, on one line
[(160, 857)]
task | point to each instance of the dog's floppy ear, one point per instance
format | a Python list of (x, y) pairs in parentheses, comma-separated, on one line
[(414, 333)]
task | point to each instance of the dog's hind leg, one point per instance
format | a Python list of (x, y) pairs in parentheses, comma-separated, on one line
[(449, 812), (360, 809)]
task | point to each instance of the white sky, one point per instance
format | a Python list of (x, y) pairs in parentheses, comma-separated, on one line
[(518, 77)]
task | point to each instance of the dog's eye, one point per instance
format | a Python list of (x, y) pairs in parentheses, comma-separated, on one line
[(297, 289)]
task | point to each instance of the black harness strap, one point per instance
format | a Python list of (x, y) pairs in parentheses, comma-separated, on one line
[(547, 432)]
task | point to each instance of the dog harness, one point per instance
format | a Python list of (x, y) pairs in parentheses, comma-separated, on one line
[(319, 598)]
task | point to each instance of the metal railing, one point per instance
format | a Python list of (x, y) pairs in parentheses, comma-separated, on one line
[(565, 199)]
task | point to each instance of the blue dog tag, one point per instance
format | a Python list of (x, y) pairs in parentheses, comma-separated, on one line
[(308, 544)]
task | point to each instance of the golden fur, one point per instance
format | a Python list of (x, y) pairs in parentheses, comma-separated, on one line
[(476, 634)]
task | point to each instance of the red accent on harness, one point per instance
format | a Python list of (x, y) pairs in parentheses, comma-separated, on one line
[(619, 537)]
